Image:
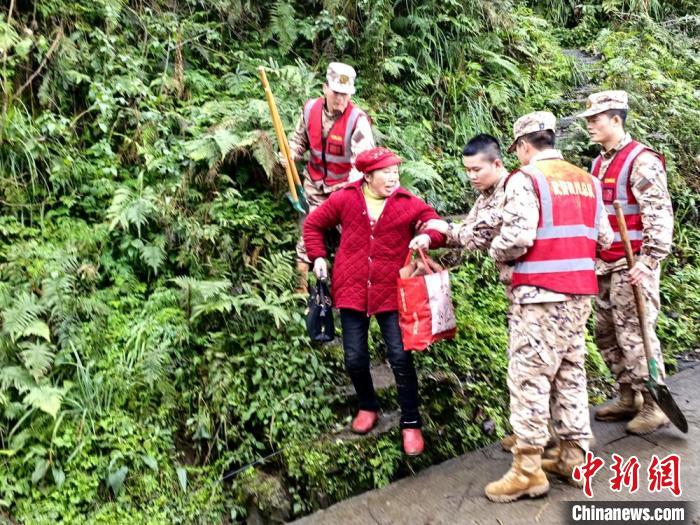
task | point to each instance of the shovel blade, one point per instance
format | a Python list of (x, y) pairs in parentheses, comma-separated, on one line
[(662, 396), (302, 198), (297, 205)]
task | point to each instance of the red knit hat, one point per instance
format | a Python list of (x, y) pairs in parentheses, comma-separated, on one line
[(376, 159)]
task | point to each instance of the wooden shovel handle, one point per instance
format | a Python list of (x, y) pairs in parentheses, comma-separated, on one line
[(284, 145), (636, 289), (281, 137)]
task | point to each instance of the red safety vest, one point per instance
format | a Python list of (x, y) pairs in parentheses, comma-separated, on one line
[(330, 156), (616, 186), (562, 258)]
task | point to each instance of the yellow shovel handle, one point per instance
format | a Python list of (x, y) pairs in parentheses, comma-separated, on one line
[(279, 132), (291, 168), (285, 144)]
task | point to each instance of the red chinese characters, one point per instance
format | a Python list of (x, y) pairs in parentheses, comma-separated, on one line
[(665, 474), (626, 474), (586, 472), (662, 473)]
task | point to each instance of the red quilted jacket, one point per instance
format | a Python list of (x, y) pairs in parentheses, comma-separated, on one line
[(368, 260)]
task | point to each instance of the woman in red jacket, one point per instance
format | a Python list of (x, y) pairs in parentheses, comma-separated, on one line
[(378, 221)]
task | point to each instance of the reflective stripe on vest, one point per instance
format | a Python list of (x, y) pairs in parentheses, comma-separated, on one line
[(561, 265), (633, 236), (627, 209), (307, 110), (623, 179), (555, 232)]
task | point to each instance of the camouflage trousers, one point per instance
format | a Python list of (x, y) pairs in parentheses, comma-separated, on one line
[(617, 331), (316, 194), (546, 372)]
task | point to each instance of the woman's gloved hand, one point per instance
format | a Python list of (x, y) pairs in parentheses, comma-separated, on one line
[(321, 268), (420, 242)]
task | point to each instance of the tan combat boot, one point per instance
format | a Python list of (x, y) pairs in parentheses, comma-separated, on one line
[(508, 442), (570, 456), (650, 418), (554, 451), (525, 477), (624, 408), (302, 277)]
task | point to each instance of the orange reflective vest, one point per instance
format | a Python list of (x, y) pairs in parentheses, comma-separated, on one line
[(562, 258), (617, 186), (331, 155)]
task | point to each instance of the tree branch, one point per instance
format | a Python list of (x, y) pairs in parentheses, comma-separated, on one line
[(50, 52)]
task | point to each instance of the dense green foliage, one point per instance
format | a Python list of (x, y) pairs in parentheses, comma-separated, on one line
[(151, 347)]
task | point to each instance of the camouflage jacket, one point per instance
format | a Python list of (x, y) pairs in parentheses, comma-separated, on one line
[(649, 186), (521, 215), (362, 140)]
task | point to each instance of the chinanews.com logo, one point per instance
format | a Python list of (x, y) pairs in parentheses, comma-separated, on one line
[(615, 512), (661, 476)]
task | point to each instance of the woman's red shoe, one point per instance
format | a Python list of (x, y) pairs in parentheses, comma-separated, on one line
[(413, 443), (364, 421)]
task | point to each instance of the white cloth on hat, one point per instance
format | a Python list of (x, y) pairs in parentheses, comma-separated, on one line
[(341, 77)]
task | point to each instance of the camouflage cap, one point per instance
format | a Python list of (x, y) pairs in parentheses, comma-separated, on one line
[(341, 77), (603, 101), (532, 122)]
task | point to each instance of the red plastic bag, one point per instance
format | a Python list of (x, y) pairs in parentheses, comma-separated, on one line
[(426, 313)]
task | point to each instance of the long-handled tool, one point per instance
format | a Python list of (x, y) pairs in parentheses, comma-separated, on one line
[(659, 392), (296, 190)]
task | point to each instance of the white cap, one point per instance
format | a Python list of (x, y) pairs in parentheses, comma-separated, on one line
[(341, 77)]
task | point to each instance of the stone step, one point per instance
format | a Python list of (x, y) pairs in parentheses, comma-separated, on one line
[(565, 122), (582, 57), (382, 378), (580, 100)]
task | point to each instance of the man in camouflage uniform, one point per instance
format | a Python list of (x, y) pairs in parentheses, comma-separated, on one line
[(334, 131), (635, 175), (483, 162), (553, 217)]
